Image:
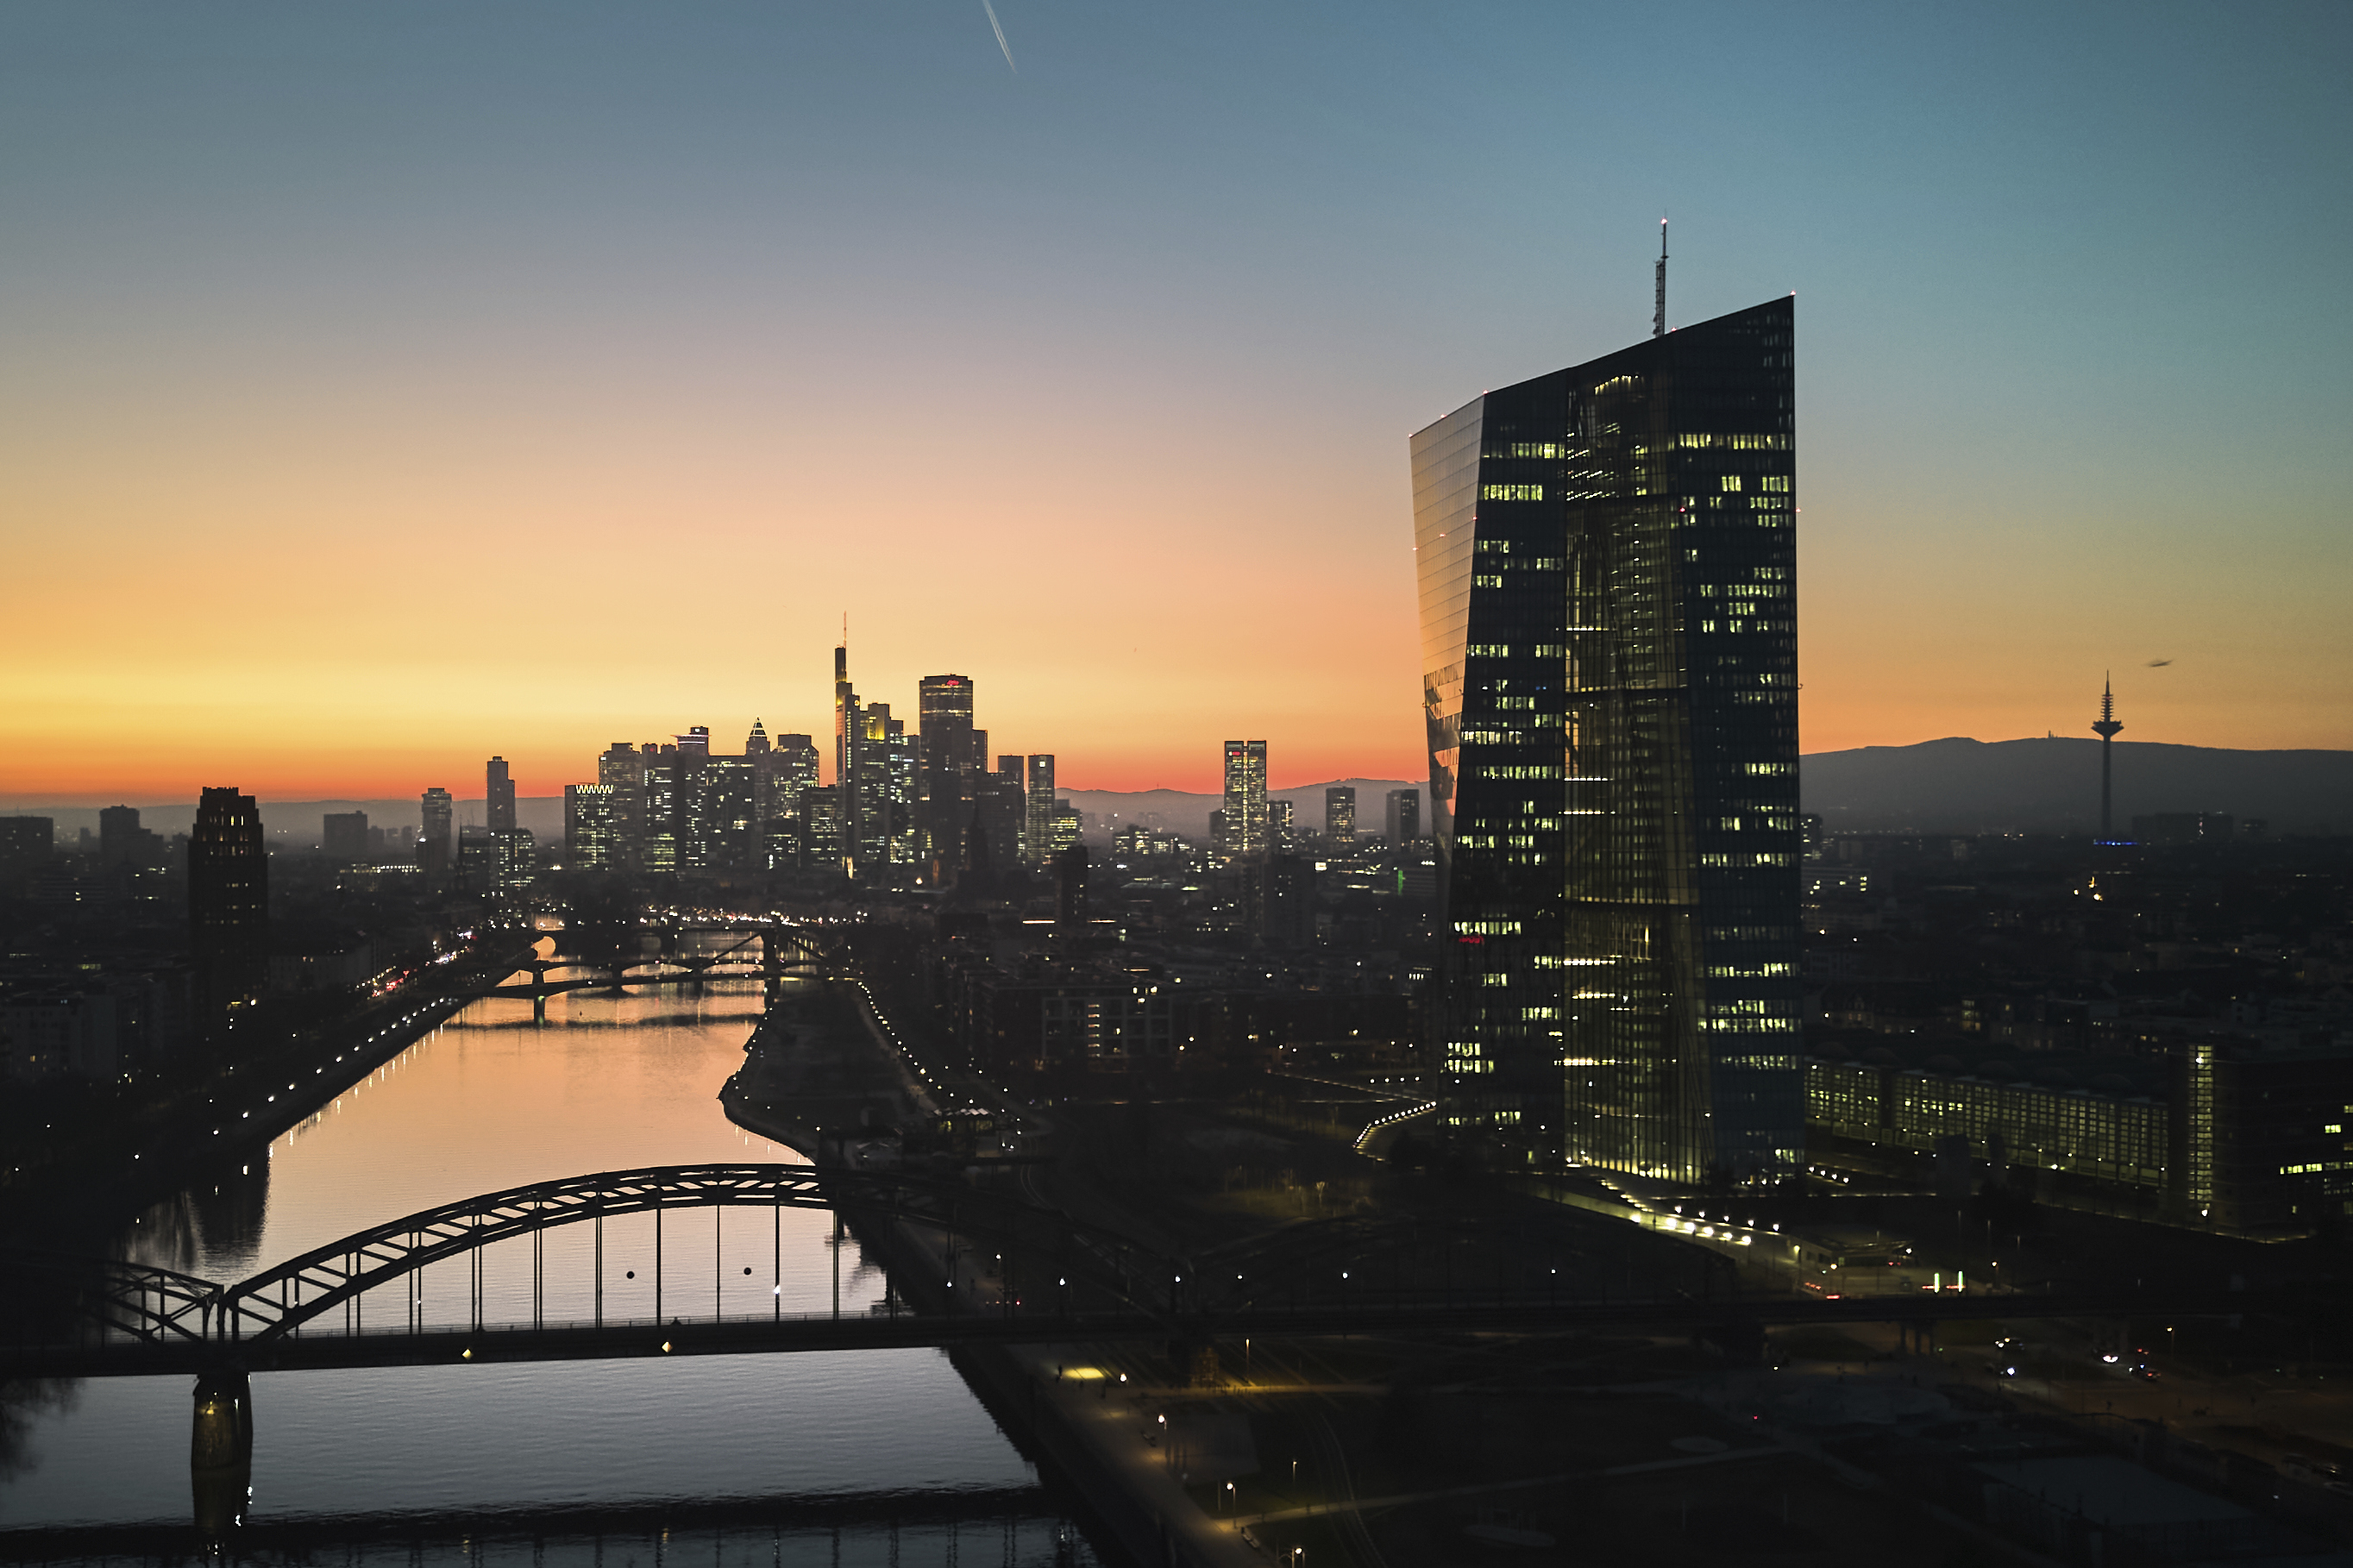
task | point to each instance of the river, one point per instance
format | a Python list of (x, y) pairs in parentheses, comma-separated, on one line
[(763, 1443)]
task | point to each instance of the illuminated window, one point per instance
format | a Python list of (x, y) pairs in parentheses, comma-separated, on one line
[(1511, 492)]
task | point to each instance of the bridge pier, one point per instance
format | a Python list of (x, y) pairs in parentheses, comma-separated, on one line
[(539, 1006), (220, 1452)]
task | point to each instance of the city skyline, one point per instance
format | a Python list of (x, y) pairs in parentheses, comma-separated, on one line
[(1314, 994), (329, 392)]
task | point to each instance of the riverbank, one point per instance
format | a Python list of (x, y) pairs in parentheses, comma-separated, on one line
[(814, 1070), (816, 1063), (64, 1206)]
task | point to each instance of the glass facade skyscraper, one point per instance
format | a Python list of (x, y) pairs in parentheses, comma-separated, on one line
[(1037, 832), (1245, 801), (945, 718), (1607, 569)]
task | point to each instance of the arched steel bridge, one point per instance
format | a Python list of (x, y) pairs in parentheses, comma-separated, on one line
[(127, 1307), (119, 1318)]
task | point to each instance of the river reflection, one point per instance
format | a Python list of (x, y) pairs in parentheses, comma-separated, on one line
[(494, 1100)]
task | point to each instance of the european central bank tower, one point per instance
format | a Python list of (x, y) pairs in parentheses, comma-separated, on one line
[(1608, 562)]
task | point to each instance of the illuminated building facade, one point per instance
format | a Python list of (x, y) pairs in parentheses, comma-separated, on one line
[(1245, 801), (730, 819), (945, 718), (1038, 830), (658, 849), (1606, 561), (595, 827), (514, 858), (1340, 814), (620, 769)]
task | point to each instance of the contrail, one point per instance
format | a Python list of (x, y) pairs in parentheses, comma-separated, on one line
[(999, 28)]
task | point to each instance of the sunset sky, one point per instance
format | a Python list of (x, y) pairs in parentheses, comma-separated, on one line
[(383, 386)]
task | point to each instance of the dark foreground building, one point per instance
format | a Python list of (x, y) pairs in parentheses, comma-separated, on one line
[(1607, 563), (229, 903)]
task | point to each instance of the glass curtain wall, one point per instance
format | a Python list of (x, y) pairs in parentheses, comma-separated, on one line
[(1607, 569)]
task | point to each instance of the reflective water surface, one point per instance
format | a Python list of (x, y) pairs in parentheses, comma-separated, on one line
[(880, 1443)]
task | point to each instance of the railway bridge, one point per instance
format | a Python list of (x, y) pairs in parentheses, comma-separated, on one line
[(1007, 1271)]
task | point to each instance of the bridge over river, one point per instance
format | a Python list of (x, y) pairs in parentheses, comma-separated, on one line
[(1046, 1278), (782, 950)]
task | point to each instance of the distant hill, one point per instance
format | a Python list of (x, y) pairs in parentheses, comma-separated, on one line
[(2053, 785), (1955, 785)]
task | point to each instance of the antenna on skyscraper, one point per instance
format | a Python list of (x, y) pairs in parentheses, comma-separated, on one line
[(1659, 316)]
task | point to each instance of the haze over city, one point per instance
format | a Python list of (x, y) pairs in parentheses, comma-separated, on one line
[(391, 388)]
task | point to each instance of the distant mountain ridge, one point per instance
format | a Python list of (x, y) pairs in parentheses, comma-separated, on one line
[(2053, 785), (1952, 785)]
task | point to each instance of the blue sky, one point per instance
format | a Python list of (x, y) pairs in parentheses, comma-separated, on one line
[(1095, 378)]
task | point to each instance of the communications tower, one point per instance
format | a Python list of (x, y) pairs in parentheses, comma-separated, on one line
[(2106, 730)]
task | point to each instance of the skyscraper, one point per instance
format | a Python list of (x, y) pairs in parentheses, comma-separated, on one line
[(824, 832), (874, 770), (594, 822), (1608, 561), (792, 767), (944, 715), (499, 800), (436, 841), (1037, 832), (1340, 814), (1013, 770), (229, 901), (885, 847), (658, 808), (846, 736), (620, 768), (1403, 820), (691, 826), (1002, 810), (1245, 800), (731, 788)]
